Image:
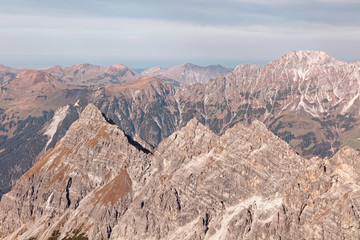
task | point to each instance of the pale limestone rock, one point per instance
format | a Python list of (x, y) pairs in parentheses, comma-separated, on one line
[(245, 184)]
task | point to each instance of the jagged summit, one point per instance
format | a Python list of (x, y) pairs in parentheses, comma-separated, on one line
[(245, 184), (194, 137), (33, 77), (194, 125), (118, 66), (256, 124), (91, 112), (304, 57)]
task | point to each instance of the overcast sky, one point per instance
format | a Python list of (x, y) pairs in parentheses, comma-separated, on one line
[(145, 33)]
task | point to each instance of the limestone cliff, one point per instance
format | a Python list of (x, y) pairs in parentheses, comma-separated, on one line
[(98, 183)]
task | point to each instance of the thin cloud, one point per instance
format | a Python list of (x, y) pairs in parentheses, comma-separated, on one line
[(189, 30)]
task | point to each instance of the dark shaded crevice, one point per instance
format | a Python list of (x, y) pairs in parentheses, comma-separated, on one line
[(206, 222), (31, 209), (250, 220), (108, 230), (177, 199), (77, 203), (137, 145), (108, 119), (147, 221), (301, 211), (68, 193)]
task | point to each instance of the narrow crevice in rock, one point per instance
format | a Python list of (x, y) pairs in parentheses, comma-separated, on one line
[(147, 221), (206, 222), (177, 199), (108, 119), (108, 230), (137, 145), (68, 192)]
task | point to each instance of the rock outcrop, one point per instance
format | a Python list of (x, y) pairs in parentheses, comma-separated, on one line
[(98, 183)]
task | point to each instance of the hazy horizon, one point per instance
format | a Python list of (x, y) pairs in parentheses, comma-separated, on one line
[(143, 34), (133, 63)]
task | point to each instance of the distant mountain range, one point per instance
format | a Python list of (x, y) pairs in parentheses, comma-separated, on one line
[(307, 98), (93, 75)]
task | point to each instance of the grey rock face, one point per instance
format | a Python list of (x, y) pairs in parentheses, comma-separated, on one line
[(245, 184), (67, 184)]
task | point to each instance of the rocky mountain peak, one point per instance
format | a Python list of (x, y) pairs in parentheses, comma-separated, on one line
[(91, 113), (118, 66), (300, 58), (194, 125), (79, 175), (194, 138), (245, 184), (188, 66), (36, 80), (34, 76)]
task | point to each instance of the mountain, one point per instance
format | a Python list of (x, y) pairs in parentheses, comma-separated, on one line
[(187, 74), (98, 183), (307, 98), (33, 92), (33, 107), (92, 75), (7, 74)]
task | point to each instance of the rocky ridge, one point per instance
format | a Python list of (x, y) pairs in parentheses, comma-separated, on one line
[(306, 97), (74, 182), (248, 183)]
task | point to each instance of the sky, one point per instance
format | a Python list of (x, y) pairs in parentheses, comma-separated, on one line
[(143, 33)]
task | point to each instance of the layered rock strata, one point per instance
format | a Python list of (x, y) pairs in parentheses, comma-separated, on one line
[(98, 183)]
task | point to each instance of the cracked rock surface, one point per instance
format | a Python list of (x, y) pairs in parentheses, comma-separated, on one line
[(246, 184)]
